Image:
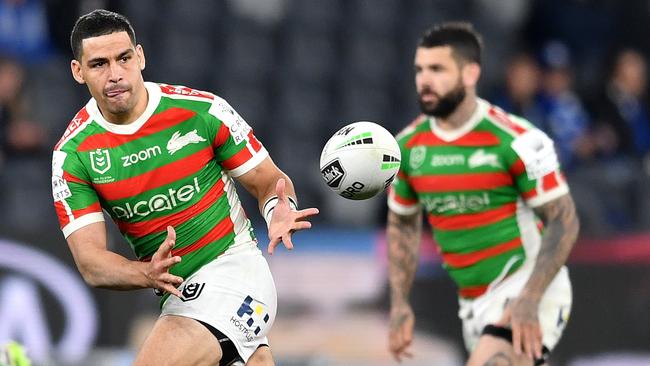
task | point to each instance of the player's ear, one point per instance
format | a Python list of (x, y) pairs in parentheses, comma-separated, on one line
[(75, 67), (471, 73), (141, 60)]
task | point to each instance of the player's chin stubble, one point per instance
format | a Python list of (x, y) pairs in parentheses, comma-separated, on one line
[(446, 105)]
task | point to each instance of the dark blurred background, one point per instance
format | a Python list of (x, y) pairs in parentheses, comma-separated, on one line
[(297, 70)]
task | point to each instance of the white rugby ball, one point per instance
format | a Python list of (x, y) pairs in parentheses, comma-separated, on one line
[(360, 160)]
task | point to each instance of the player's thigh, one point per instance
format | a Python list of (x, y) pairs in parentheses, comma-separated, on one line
[(261, 357), (493, 351), (178, 341)]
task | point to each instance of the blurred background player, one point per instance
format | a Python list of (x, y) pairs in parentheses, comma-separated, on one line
[(160, 160), (484, 179)]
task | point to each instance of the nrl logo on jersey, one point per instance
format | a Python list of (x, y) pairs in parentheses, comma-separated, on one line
[(417, 156), (177, 142), (100, 160)]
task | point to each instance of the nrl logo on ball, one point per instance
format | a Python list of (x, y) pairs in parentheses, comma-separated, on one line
[(333, 174)]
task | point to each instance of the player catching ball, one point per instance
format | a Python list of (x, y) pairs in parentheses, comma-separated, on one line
[(160, 160)]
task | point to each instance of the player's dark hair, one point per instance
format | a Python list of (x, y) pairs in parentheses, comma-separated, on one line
[(466, 44), (97, 23)]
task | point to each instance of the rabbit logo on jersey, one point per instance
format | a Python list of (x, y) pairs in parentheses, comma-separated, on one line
[(250, 317), (178, 141), (158, 203)]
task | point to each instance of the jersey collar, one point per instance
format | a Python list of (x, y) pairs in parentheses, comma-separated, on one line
[(451, 135), (128, 129)]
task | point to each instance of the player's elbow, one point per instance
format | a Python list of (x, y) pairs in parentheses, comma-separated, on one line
[(89, 276)]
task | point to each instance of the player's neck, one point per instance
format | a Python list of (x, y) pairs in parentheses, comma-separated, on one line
[(460, 116), (131, 115)]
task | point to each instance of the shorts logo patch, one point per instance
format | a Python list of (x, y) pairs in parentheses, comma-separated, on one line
[(251, 317), (192, 291)]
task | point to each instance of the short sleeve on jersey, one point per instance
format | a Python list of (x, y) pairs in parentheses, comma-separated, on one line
[(537, 169), (236, 147), (402, 199), (75, 201)]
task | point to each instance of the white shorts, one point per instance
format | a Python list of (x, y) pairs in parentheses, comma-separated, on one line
[(554, 307), (235, 294)]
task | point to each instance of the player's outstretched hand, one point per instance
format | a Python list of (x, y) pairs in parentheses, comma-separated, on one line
[(285, 220), (400, 334), (161, 262), (521, 315)]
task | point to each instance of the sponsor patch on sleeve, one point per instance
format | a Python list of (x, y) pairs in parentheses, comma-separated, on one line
[(60, 189), (536, 151), (238, 127)]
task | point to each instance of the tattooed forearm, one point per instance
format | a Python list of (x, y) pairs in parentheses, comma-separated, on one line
[(403, 236), (562, 228)]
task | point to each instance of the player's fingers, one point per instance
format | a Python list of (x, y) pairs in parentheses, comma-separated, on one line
[(400, 352), (286, 239), (529, 347), (170, 278), (408, 331), (171, 233), (392, 340), (398, 355), (396, 343), (396, 349), (303, 214), (301, 225), (533, 341), (525, 341), (166, 247), (171, 289), (280, 189), (272, 244), (516, 339), (538, 342), (163, 251), (407, 353), (168, 262)]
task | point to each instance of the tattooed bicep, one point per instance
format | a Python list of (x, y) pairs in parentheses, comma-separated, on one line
[(561, 208)]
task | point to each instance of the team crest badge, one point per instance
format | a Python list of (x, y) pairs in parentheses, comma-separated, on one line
[(100, 160), (417, 157)]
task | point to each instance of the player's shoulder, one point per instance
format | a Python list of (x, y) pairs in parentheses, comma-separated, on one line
[(511, 125), (412, 128), (520, 134), (181, 92), (72, 134), (207, 102)]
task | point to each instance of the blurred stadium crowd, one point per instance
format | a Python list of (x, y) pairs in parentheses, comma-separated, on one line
[(298, 69)]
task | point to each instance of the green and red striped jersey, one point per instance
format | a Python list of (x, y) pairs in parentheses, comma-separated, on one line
[(477, 186), (172, 166)]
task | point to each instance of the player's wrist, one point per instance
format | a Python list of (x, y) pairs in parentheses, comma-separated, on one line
[(269, 207), (531, 295)]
